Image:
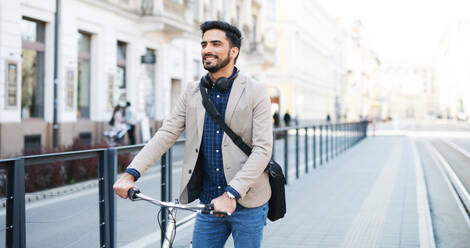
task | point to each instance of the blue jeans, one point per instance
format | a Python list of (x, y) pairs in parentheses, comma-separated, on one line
[(245, 224)]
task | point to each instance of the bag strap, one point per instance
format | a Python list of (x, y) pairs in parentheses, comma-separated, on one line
[(215, 115)]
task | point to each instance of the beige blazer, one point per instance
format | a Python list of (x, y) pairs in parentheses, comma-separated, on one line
[(248, 114)]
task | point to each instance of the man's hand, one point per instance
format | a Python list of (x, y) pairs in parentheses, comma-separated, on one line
[(122, 186), (224, 203)]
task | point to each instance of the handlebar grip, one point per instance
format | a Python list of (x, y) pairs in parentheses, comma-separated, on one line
[(132, 193), (209, 206), (205, 211), (218, 212)]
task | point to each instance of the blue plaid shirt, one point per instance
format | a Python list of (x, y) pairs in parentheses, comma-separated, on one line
[(214, 183)]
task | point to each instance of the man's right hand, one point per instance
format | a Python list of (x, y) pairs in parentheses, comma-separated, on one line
[(122, 186)]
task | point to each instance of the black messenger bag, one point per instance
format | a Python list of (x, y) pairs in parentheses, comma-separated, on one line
[(277, 202)]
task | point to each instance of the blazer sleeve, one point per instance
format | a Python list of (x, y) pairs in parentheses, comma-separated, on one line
[(262, 141), (165, 137)]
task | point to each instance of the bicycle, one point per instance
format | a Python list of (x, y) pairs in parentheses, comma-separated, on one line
[(115, 137), (135, 195)]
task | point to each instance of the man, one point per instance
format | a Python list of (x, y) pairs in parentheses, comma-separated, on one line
[(276, 119), (287, 118), (215, 170), (131, 121)]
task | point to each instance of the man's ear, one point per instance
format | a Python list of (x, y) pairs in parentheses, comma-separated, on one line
[(234, 51)]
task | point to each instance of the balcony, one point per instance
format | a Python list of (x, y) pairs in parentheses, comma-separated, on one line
[(261, 52), (167, 16), (171, 17)]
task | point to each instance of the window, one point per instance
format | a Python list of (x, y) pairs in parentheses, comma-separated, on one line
[(225, 9), (84, 68), (32, 142), (196, 70), (12, 84), (110, 88), (85, 137), (196, 10), (238, 16), (271, 10), (121, 64), (32, 62), (255, 29), (150, 88), (69, 80)]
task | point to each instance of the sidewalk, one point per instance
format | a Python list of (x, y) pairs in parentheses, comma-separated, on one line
[(366, 197), (372, 195)]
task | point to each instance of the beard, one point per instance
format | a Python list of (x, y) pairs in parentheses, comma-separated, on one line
[(218, 65)]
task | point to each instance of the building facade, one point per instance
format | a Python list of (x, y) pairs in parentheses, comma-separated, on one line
[(305, 71), (412, 91), (453, 76), (101, 52)]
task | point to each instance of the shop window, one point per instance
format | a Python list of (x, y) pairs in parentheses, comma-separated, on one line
[(32, 62), (84, 69)]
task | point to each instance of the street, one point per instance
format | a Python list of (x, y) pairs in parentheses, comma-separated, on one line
[(71, 220)]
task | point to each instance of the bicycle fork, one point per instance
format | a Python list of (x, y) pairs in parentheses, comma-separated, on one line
[(170, 228)]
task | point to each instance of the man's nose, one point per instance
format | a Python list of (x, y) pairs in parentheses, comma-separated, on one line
[(207, 50)]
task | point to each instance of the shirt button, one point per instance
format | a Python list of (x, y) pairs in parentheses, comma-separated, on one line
[(217, 169), (218, 96), (216, 150), (218, 187), (217, 131)]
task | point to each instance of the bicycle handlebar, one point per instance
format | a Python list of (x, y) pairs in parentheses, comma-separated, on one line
[(135, 195)]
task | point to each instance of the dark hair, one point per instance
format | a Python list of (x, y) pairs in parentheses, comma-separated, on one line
[(232, 32)]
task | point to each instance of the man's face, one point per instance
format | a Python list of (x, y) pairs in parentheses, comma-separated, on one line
[(215, 50)]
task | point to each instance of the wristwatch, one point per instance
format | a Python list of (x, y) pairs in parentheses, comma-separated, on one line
[(230, 195)]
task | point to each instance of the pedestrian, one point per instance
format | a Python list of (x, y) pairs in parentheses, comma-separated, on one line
[(276, 119), (131, 121), (118, 127), (215, 170), (328, 118), (287, 118), (117, 120)]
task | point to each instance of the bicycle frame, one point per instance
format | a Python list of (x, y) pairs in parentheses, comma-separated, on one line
[(135, 195)]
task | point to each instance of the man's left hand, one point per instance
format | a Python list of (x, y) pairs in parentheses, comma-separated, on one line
[(224, 203)]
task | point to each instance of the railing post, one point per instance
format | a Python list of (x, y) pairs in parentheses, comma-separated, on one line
[(164, 194), (343, 137), (170, 174), (314, 145), (336, 139), (15, 205), (296, 152), (104, 235), (350, 135), (110, 200), (332, 153), (286, 155), (327, 137), (306, 150), (365, 129), (321, 145)]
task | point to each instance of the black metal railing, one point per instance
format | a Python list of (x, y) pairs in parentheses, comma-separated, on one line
[(332, 139)]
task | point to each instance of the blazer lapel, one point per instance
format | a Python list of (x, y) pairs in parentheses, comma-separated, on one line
[(200, 112), (238, 88)]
